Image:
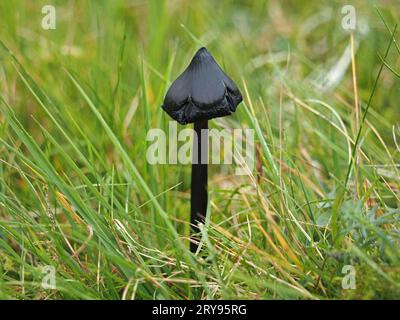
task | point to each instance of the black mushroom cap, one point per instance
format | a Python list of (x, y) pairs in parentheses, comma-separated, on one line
[(202, 92)]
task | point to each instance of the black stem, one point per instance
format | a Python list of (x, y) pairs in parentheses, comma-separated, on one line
[(199, 196)]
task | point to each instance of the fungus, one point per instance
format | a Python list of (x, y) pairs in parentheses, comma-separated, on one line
[(202, 92)]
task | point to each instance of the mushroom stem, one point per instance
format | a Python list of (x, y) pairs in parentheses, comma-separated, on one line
[(199, 195)]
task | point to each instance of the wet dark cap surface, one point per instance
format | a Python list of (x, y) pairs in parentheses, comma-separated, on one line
[(202, 92)]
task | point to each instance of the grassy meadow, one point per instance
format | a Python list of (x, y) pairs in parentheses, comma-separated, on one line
[(77, 197)]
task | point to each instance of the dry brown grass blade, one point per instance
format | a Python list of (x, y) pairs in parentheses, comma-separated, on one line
[(67, 206)]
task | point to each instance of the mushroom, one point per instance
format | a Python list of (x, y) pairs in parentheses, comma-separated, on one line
[(202, 92)]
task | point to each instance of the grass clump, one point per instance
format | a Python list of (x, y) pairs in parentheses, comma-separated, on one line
[(77, 194)]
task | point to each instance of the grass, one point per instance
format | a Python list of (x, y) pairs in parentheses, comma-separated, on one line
[(76, 192)]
